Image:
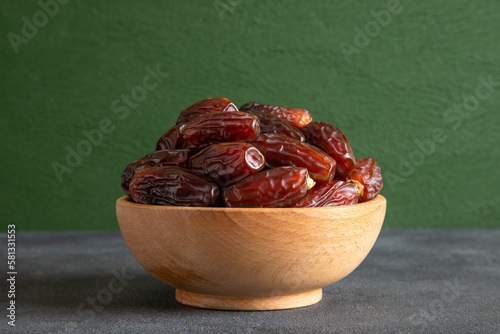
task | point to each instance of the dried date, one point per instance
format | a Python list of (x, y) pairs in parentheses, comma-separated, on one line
[(330, 194), (280, 150), (261, 156), (220, 127), (331, 140), (158, 158), (227, 163), (171, 139), (173, 186), (295, 116), (272, 124), (367, 177), (205, 106), (277, 187)]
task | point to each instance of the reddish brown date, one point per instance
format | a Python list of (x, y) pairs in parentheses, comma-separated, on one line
[(158, 158), (330, 194), (171, 139), (297, 117), (227, 163), (331, 140), (277, 187), (367, 177), (272, 124), (173, 186), (280, 150), (205, 106), (220, 127)]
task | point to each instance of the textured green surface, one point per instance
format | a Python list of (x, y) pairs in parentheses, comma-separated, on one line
[(394, 89)]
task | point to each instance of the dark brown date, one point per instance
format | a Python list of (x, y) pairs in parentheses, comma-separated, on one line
[(173, 186), (272, 124), (171, 139), (280, 150), (295, 116), (277, 187), (228, 163), (367, 177), (205, 106), (330, 194), (220, 127), (158, 158), (331, 140)]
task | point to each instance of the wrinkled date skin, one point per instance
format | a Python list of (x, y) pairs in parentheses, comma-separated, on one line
[(205, 106), (220, 127), (280, 150), (277, 187), (177, 158), (272, 124), (262, 156), (330, 194), (367, 177), (173, 186), (227, 163), (331, 140), (295, 116), (171, 139)]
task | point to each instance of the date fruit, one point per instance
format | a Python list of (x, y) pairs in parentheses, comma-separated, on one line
[(331, 140), (205, 106), (367, 177), (173, 186), (295, 116), (261, 156), (158, 158), (171, 139), (272, 124), (220, 127), (280, 150), (330, 194), (277, 187), (227, 163)]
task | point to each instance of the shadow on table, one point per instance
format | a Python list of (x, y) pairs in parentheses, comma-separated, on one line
[(93, 294), (114, 291)]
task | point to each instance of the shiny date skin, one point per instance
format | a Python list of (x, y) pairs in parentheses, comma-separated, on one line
[(331, 140), (295, 116), (171, 139), (177, 158), (220, 127), (367, 177), (330, 194), (173, 186), (205, 106), (277, 187), (280, 150), (227, 163), (272, 124)]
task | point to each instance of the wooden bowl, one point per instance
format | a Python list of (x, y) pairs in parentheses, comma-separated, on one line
[(248, 258)]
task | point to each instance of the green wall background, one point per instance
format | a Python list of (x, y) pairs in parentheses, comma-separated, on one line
[(415, 75)]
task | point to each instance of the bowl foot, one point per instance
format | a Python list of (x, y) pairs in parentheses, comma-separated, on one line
[(249, 303)]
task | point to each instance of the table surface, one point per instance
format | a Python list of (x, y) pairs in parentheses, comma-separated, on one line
[(413, 281)]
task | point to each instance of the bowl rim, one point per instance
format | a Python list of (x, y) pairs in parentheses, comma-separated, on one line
[(127, 202)]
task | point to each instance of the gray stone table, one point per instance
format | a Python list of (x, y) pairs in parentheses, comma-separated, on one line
[(413, 281)]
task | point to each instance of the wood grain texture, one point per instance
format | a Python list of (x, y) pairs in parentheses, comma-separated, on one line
[(250, 253), (250, 303)]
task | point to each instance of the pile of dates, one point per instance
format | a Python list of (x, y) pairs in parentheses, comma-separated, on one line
[(258, 156)]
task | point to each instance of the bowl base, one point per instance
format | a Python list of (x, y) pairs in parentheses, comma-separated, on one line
[(249, 303)]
